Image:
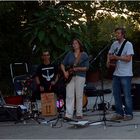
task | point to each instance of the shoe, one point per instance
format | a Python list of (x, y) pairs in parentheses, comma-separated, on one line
[(117, 117), (128, 117), (67, 118), (79, 117)]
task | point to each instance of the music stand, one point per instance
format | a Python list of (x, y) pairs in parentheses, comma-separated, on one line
[(100, 56)]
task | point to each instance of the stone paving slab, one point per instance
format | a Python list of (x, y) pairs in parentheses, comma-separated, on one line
[(104, 130)]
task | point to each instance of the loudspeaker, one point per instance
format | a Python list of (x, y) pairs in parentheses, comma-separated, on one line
[(135, 91), (10, 113)]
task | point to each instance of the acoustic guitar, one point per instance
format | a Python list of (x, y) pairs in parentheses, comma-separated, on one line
[(69, 69), (71, 72), (113, 62), (112, 65), (111, 68), (85, 101)]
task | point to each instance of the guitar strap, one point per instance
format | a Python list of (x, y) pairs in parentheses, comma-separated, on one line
[(121, 49)]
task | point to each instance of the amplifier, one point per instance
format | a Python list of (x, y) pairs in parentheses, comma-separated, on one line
[(136, 96), (135, 93), (10, 113), (14, 100)]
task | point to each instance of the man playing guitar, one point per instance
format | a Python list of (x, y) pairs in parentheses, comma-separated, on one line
[(122, 75)]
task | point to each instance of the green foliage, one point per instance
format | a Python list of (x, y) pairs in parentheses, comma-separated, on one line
[(53, 26)]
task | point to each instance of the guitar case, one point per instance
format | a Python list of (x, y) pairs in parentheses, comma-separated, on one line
[(10, 113)]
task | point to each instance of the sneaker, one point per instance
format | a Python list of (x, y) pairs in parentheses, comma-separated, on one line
[(128, 117), (67, 118), (79, 117), (117, 117)]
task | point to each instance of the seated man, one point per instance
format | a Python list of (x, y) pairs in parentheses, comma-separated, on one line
[(46, 75)]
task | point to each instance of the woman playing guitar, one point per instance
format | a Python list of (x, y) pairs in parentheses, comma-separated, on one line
[(78, 61)]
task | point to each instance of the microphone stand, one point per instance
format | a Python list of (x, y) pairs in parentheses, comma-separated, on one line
[(100, 53), (101, 92)]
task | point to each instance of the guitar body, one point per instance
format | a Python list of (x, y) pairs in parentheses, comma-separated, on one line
[(113, 63), (71, 74), (112, 66), (69, 69), (85, 101)]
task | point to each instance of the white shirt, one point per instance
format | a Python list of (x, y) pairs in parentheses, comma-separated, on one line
[(123, 68)]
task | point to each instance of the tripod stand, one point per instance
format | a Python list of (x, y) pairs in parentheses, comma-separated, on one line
[(29, 101), (100, 56), (32, 112), (60, 106)]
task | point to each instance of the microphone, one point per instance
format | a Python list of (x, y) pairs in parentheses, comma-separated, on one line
[(90, 58), (113, 39), (33, 49)]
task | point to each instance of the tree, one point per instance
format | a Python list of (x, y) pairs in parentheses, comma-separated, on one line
[(53, 25)]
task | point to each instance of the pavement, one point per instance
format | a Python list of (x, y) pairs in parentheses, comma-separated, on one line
[(99, 125)]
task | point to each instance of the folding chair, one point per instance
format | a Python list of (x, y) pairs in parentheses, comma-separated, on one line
[(19, 73), (25, 85)]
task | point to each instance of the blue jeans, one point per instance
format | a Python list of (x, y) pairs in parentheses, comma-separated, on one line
[(122, 85)]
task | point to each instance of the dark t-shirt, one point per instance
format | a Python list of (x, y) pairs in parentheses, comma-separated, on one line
[(46, 74)]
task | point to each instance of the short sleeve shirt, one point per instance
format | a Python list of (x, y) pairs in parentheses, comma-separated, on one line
[(46, 73), (123, 68)]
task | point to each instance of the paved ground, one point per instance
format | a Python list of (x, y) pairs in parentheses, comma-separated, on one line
[(112, 130), (101, 130)]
